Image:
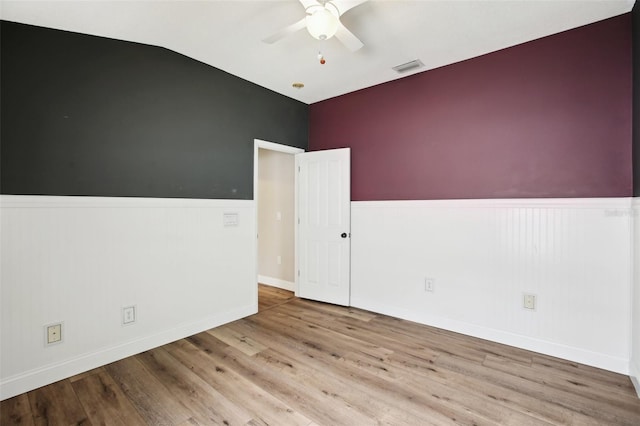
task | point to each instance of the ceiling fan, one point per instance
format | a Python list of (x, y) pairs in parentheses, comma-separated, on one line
[(323, 22)]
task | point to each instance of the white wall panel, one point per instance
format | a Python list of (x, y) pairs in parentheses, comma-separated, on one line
[(573, 254), (634, 363), (81, 259)]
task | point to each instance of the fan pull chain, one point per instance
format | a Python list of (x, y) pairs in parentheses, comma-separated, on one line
[(321, 58)]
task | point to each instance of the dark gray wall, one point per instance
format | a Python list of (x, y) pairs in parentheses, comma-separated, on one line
[(636, 99), (84, 115)]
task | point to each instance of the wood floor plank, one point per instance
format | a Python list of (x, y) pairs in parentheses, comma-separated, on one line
[(362, 331), (450, 339), (377, 400), (283, 379), (612, 381), (16, 411), (627, 409), (57, 404), (278, 328), (312, 384), (539, 391), (317, 387), (344, 311), (443, 349), (258, 422), (272, 296), (154, 402), (304, 334), (239, 341), (411, 335), (417, 339), (85, 374), (316, 358), (236, 388), (191, 422), (187, 387), (596, 388), (328, 361), (424, 338), (495, 394), (459, 402), (104, 402)]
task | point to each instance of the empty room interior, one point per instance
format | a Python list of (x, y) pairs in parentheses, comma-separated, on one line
[(307, 212)]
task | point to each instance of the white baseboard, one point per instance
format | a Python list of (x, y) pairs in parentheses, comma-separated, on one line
[(618, 365), (30, 380), (634, 374), (276, 282)]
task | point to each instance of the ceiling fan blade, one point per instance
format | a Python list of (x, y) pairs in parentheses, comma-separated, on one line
[(344, 5), (308, 3), (286, 31), (347, 38)]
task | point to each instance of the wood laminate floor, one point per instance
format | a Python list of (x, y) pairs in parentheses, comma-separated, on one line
[(298, 362), (270, 297)]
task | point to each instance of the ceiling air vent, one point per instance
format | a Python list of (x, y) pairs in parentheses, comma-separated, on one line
[(416, 63)]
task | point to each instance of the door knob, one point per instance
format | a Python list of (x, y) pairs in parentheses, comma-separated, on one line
[(343, 235)]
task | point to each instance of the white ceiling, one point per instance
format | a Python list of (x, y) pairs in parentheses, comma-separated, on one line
[(228, 34)]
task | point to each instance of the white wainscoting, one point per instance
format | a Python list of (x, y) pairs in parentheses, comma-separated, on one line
[(81, 259), (634, 363), (573, 254)]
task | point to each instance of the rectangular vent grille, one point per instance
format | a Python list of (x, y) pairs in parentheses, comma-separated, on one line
[(416, 63)]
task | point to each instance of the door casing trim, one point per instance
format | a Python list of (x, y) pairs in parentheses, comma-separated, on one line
[(262, 144)]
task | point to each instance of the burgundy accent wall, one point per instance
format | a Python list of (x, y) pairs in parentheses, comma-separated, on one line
[(548, 118)]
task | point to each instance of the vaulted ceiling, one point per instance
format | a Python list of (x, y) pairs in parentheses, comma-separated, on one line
[(228, 34)]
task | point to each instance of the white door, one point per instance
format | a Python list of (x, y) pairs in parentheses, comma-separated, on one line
[(324, 228)]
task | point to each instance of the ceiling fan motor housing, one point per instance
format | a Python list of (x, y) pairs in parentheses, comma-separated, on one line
[(322, 22)]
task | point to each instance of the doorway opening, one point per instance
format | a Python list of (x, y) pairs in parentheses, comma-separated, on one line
[(275, 197)]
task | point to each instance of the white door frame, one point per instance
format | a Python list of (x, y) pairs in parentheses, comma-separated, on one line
[(257, 145)]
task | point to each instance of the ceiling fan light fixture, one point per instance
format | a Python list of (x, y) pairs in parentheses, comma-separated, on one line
[(322, 24)]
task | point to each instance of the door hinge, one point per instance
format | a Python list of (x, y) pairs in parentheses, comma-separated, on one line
[(298, 221), (298, 272), (298, 169)]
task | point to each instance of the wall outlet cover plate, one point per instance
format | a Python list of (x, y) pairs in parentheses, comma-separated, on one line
[(129, 315), (53, 333), (529, 301)]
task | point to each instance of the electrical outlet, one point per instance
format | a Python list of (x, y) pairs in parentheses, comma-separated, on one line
[(429, 284), (128, 315), (53, 333), (279, 260), (529, 301)]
